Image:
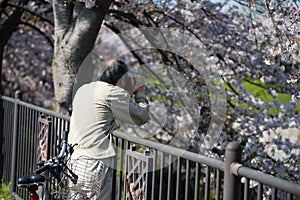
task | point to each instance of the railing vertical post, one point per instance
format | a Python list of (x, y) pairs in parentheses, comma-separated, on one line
[(149, 174), (1, 137), (15, 143), (232, 183)]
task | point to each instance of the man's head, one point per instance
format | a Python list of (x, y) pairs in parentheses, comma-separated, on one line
[(112, 71)]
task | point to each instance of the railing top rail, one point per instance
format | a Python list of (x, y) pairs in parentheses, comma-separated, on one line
[(45, 111), (37, 108), (173, 150), (7, 98), (290, 187)]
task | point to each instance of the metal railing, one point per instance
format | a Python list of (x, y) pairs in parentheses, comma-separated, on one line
[(144, 169), (177, 174), (19, 127)]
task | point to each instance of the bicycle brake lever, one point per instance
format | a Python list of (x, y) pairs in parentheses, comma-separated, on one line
[(70, 149)]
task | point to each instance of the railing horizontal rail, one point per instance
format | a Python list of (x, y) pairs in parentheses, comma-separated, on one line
[(173, 150), (240, 170), (45, 111), (8, 99), (36, 108)]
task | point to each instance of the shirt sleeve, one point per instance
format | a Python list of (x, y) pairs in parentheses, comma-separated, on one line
[(125, 110)]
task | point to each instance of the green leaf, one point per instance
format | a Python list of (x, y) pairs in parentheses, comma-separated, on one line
[(54, 63), (257, 91)]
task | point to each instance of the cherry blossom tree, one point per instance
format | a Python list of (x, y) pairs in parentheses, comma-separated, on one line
[(253, 44), (255, 47)]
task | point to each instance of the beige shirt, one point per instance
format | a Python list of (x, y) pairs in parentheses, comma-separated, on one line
[(98, 109)]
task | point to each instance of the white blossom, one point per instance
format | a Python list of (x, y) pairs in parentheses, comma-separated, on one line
[(276, 50), (88, 3), (291, 44), (293, 79), (295, 98), (269, 60)]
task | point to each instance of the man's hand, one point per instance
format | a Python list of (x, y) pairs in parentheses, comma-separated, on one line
[(133, 85), (138, 85), (140, 89)]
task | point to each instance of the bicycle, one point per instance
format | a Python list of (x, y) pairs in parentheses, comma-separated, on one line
[(52, 173)]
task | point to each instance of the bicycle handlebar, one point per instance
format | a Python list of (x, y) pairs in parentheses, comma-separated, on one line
[(55, 161), (42, 169), (65, 145), (54, 165)]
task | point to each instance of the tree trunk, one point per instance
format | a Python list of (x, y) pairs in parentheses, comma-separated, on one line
[(76, 29)]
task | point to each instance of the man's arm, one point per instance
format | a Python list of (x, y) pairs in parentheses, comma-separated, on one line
[(126, 110)]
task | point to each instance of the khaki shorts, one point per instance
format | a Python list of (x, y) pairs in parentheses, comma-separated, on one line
[(94, 179)]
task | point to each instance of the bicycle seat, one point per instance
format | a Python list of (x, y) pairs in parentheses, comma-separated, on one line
[(31, 179)]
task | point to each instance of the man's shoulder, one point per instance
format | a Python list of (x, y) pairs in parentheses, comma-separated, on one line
[(116, 90), (111, 88), (104, 86), (105, 90)]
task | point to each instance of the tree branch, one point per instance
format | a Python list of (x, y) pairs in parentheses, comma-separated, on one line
[(7, 29), (86, 28), (9, 26), (63, 13), (126, 17), (32, 13), (117, 31), (49, 39), (3, 5)]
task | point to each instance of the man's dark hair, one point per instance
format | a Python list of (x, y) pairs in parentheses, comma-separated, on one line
[(113, 71)]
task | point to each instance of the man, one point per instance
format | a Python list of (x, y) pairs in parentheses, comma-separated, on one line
[(98, 109)]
